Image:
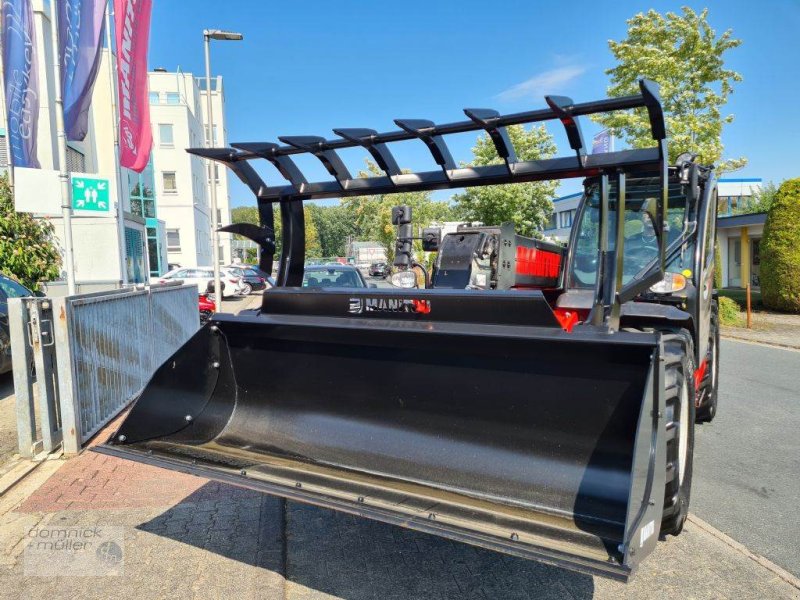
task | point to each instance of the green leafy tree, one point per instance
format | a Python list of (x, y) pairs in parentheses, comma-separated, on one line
[(761, 200), (334, 225), (313, 246), (372, 215), (527, 205), (684, 55), (27, 248), (780, 250)]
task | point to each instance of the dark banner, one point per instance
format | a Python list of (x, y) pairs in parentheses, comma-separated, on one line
[(21, 73), (81, 27)]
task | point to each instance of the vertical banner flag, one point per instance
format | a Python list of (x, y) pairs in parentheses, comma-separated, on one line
[(21, 71), (81, 26), (602, 142), (132, 25)]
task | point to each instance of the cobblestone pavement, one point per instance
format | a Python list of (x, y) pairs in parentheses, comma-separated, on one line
[(189, 537)]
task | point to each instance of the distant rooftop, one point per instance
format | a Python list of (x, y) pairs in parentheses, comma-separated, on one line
[(568, 197)]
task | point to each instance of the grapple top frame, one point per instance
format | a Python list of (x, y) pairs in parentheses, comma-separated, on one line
[(610, 292)]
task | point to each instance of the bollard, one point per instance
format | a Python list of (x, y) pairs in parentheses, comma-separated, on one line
[(749, 311)]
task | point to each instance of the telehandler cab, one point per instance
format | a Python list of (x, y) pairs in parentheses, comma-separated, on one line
[(547, 413)]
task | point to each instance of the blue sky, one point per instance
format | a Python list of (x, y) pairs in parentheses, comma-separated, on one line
[(307, 67)]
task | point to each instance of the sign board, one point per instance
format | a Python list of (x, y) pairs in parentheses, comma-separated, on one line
[(90, 194), (37, 191), (602, 142)]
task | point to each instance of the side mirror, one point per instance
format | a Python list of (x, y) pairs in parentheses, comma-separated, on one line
[(405, 232), (401, 215), (431, 239)]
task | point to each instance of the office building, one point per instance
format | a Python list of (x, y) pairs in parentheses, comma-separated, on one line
[(177, 114)]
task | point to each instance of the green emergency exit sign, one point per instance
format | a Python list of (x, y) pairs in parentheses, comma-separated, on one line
[(89, 193)]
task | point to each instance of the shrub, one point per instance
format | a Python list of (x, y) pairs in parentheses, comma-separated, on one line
[(729, 312), (780, 250), (27, 248)]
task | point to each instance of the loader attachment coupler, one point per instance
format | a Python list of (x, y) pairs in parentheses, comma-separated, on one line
[(468, 414)]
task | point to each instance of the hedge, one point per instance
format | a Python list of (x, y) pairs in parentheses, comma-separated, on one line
[(780, 251), (729, 312)]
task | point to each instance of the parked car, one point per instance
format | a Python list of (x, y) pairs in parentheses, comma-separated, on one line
[(379, 269), (268, 277), (8, 289), (334, 276), (251, 279), (207, 308), (203, 278)]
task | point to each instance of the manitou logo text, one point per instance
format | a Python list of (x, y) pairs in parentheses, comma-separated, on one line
[(359, 306)]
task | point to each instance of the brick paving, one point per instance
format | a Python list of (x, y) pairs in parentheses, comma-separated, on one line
[(190, 537)]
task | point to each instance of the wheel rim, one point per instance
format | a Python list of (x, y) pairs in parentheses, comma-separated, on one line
[(683, 432), (247, 289)]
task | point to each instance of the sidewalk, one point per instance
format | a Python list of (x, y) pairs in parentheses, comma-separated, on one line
[(776, 329), (187, 537)]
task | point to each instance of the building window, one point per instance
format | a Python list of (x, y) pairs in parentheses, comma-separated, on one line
[(565, 218), (134, 255), (165, 135), (551, 222), (215, 168), (168, 177), (76, 161), (173, 239), (173, 98), (154, 97), (3, 151), (214, 143)]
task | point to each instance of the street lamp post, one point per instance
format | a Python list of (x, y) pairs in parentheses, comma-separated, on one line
[(208, 35)]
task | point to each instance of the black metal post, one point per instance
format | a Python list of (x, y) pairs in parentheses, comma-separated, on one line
[(292, 265), (599, 309), (619, 252)]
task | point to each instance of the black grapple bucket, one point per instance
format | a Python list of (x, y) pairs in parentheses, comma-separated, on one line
[(468, 415)]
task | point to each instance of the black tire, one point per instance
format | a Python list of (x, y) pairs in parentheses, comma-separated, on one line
[(708, 410), (247, 289), (680, 416)]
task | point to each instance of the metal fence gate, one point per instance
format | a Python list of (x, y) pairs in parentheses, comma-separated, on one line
[(91, 353)]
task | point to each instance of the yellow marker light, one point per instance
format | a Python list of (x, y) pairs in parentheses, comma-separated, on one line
[(687, 273)]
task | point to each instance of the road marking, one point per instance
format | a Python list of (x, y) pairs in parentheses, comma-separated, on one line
[(729, 541)]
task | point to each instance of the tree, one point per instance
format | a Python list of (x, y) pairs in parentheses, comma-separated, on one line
[(780, 250), (372, 215), (334, 225), (27, 248), (313, 246), (682, 53), (527, 205), (761, 200)]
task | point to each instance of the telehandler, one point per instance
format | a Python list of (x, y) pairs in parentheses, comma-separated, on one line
[(545, 409)]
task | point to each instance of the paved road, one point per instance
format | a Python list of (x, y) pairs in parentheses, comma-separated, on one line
[(747, 462)]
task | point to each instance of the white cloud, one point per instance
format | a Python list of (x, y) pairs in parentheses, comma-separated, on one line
[(548, 82)]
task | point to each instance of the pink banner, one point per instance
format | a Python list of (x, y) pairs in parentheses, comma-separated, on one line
[(132, 25)]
